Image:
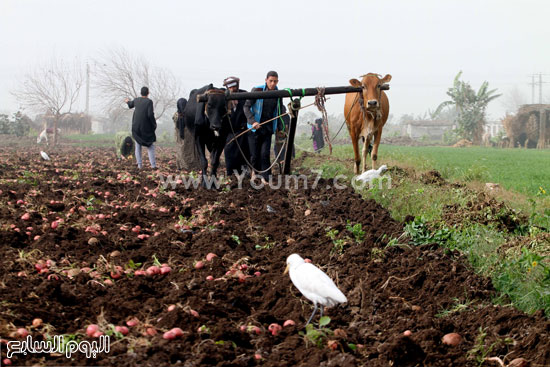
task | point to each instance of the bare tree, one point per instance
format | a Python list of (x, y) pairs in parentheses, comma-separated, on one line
[(513, 99), (121, 75), (52, 88)]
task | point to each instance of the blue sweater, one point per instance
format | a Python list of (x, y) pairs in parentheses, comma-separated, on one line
[(256, 109)]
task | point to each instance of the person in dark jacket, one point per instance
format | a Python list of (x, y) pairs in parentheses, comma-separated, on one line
[(179, 125), (144, 126), (259, 138), (317, 135), (124, 145), (236, 153)]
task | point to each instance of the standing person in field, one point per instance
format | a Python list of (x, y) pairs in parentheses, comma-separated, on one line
[(143, 126), (317, 135), (259, 138), (236, 153)]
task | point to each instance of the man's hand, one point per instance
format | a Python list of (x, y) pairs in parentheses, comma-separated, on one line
[(126, 100), (255, 125)]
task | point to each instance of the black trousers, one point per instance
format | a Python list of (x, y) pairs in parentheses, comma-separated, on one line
[(234, 160), (260, 150)]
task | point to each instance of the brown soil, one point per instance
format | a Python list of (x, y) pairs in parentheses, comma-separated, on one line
[(463, 143), (389, 290), (484, 209), (432, 178)]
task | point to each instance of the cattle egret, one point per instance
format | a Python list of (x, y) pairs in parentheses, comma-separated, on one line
[(43, 136), (313, 283), (371, 174), (44, 156)]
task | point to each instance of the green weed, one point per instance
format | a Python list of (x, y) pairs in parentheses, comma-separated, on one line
[(317, 337), (526, 280), (357, 231)]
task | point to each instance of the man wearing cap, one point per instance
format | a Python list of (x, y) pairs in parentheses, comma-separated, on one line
[(258, 111), (236, 153)]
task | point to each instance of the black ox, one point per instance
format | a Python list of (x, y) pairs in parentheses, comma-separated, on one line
[(212, 125)]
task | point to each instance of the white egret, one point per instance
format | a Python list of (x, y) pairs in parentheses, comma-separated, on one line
[(44, 156), (313, 283), (371, 174)]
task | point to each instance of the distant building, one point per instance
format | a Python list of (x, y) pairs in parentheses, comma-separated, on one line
[(493, 128), (431, 129), (98, 125)]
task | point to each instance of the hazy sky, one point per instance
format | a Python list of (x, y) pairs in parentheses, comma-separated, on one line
[(421, 43)]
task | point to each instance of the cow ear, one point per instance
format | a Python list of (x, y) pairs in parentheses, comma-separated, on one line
[(386, 79), (355, 83)]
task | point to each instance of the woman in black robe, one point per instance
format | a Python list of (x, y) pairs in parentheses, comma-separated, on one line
[(317, 136), (144, 126)]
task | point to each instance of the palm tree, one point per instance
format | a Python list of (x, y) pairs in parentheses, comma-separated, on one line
[(470, 107)]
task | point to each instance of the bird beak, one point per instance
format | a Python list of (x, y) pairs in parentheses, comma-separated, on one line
[(286, 269)]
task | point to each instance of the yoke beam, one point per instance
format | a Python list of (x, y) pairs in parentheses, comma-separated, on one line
[(281, 93)]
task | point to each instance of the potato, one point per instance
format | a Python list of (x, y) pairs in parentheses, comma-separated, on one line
[(452, 339)]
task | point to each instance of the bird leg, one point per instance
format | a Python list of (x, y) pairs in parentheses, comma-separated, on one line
[(321, 312), (314, 310)]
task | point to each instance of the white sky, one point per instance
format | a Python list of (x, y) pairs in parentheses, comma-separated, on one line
[(421, 43)]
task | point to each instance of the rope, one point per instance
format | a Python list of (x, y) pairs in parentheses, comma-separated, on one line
[(274, 118), (290, 93), (344, 122), (247, 130), (289, 113), (244, 156), (320, 100)]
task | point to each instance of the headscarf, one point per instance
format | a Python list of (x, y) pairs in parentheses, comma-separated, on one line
[(231, 81), (182, 102), (127, 146)]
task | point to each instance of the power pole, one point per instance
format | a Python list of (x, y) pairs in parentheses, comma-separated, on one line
[(533, 89), (540, 88), (87, 89), (535, 83)]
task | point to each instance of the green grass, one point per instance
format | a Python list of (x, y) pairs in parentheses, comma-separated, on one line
[(108, 140), (91, 140), (91, 137), (520, 170), (406, 197)]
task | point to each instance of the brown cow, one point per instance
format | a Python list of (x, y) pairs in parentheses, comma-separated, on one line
[(366, 113)]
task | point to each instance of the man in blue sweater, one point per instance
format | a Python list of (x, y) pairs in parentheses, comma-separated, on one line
[(259, 138)]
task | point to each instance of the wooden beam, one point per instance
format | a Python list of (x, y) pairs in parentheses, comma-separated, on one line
[(282, 93), (295, 108)]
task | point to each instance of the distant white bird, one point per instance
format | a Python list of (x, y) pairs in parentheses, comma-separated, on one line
[(313, 283), (44, 156), (371, 174), (43, 136)]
